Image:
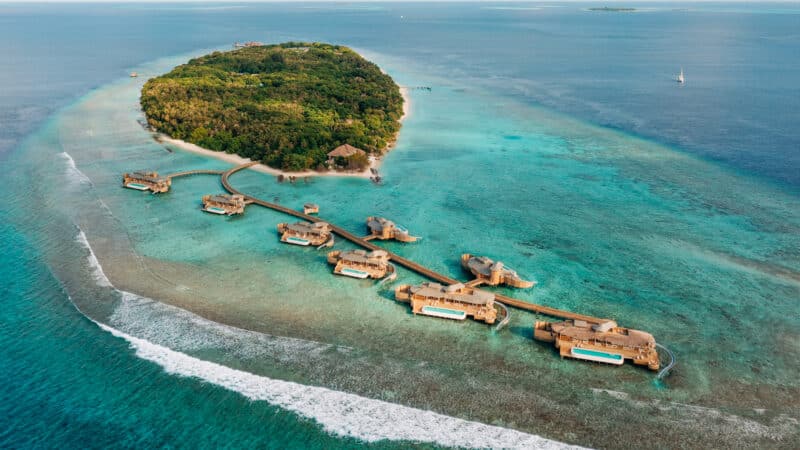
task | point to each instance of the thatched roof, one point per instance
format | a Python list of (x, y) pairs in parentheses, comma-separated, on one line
[(455, 292), (315, 228), (225, 199), (345, 151)]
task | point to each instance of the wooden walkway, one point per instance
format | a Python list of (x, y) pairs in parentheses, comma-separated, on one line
[(407, 263), (187, 173)]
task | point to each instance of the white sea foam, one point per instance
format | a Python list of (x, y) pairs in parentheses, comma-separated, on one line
[(73, 169), (339, 413), (185, 331), (97, 270)]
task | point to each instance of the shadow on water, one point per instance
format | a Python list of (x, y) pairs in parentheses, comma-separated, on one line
[(521, 331)]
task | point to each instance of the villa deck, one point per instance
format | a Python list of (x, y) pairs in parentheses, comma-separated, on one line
[(487, 271), (384, 229), (224, 204), (604, 342), (361, 264), (455, 301), (306, 233)]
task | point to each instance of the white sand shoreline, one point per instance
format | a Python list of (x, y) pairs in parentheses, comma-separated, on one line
[(375, 162)]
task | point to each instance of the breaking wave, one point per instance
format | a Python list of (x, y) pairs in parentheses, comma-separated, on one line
[(97, 270), (338, 413), (73, 169)]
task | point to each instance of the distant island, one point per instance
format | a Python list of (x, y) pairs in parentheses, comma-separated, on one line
[(609, 9), (286, 105)]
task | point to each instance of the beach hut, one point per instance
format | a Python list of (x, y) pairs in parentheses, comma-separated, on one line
[(347, 156)]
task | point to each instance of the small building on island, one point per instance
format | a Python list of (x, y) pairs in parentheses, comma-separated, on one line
[(247, 44), (602, 342), (361, 264), (348, 157), (384, 229), (493, 273), (145, 180), (306, 233), (455, 301), (224, 204)]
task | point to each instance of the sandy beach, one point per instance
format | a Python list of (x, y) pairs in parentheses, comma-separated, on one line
[(375, 162)]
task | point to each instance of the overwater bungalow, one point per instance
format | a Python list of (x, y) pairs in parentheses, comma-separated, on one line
[(223, 204), (603, 342), (361, 264), (493, 273), (145, 180), (306, 233), (455, 301), (383, 229), (310, 208)]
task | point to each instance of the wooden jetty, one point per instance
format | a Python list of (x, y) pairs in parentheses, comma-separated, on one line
[(455, 301), (187, 173), (397, 259), (362, 264), (224, 204), (492, 273), (384, 229), (600, 342), (579, 336), (149, 180)]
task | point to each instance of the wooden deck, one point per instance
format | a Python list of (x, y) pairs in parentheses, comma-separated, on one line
[(407, 263), (187, 173)]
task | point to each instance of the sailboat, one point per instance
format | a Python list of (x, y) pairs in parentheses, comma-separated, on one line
[(680, 78)]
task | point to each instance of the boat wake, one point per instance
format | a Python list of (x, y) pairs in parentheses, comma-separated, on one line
[(338, 413)]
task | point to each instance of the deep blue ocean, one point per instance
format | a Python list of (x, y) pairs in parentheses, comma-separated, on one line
[(555, 70)]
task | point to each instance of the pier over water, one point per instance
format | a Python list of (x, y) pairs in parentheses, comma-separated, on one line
[(407, 263)]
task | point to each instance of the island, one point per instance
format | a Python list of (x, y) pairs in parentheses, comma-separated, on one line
[(612, 9), (294, 106)]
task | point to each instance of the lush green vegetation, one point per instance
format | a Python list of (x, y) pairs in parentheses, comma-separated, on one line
[(286, 105)]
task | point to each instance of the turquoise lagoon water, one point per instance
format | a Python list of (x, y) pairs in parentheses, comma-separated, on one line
[(193, 329)]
